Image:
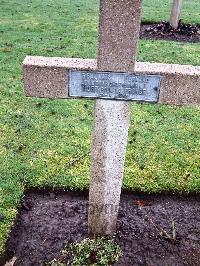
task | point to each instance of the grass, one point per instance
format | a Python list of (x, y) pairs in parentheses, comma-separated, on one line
[(156, 10), (47, 142)]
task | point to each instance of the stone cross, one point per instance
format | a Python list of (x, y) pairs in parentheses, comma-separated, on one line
[(175, 14), (104, 79)]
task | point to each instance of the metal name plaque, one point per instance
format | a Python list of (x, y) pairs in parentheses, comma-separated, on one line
[(110, 85)]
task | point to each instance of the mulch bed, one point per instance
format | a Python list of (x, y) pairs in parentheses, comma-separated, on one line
[(164, 31), (47, 220)]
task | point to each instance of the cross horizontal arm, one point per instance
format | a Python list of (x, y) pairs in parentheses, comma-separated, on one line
[(48, 77)]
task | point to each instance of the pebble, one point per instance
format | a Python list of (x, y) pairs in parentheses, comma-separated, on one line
[(2, 217)]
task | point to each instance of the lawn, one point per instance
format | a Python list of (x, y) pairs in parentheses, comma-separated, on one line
[(156, 10), (47, 142)]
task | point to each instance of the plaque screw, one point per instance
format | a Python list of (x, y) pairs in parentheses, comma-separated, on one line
[(155, 88)]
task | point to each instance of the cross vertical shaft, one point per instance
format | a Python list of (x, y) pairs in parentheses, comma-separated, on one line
[(118, 36)]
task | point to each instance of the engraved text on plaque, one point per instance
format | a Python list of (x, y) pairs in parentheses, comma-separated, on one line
[(109, 85)]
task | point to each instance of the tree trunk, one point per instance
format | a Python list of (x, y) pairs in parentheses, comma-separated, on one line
[(176, 12)]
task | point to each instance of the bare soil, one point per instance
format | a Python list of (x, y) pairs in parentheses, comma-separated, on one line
[(151, 229), (164, 31)]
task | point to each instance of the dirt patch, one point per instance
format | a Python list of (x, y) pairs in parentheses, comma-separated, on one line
[(49, 220), (164, 31)]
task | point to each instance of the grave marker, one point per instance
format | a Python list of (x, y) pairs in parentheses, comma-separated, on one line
[(118, 78), (119, 27), (175, 13)]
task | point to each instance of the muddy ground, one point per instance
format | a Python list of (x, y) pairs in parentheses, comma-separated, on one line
[(47, 220), (164, 31)]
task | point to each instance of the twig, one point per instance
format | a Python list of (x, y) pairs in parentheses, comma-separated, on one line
[(163, 233)]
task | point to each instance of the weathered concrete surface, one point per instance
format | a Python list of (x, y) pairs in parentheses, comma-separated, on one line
[(110, 133), (119, 27), (176, 12), (118, 36), (48, 77)]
